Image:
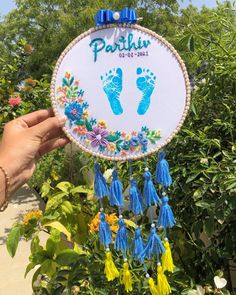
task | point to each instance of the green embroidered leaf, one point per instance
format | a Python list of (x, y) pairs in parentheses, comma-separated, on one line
[(72, 80), (88, 125), (112, 137), (80, 123), (65, 82), (152, 140)]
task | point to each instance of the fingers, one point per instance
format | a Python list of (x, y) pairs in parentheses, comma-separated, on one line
[(53, 134), (37, 117), (49, 125), (52, 145)]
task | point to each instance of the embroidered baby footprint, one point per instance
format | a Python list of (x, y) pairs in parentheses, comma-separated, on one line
[(112, 86), (145, 83)]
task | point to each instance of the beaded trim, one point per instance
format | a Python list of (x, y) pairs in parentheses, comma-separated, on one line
[(175, 54), (7, 184)]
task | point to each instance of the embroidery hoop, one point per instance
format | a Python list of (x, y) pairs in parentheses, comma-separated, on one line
[(140, 154)]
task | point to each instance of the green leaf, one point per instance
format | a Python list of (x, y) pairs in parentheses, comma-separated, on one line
[(29, 267), (112, 137), (191, 45), (64, 186), (72, 80), (60, 227), (80, 123), (65, 82), (67, 207), (88, 125), (13, 239), (67, 257), (209, 225), (81, 189)]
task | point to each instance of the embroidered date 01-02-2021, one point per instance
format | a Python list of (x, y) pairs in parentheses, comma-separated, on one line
[(134, 54)]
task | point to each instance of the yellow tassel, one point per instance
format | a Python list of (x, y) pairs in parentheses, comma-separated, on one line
[(152, 287), (163, 286), (167, 260), (110, 270), (126, 278)]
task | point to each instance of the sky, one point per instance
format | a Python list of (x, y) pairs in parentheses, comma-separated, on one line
[(8, 5)]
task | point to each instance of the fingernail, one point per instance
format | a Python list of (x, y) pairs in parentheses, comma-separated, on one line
[(62, 120)]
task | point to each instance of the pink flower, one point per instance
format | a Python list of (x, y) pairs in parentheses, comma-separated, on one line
[(14, 101)]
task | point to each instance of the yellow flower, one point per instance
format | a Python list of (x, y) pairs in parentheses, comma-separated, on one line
[(110, 218), (111, 147), (54, 175), (85, 115), (32, 214), (127, 137), (102, 124)]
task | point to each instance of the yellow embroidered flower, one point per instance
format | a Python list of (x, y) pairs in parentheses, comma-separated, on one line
[(111, 147), (127, 137), (32, 214), (85, 115), (102, 124)]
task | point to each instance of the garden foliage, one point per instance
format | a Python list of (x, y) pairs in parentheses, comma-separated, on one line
[(202, 156)]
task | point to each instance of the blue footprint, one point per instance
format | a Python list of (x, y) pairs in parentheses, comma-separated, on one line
[(112, 86), (145, 83)]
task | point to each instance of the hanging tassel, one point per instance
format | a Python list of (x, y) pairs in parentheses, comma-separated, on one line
[(110, 270), (162, 171), (104, 231), (154, 246), (136, 201), (100, 186), (167, 260), (149, 191), (163, 286), (166, 216), (116, 198), (127, 277), (121, 240), (138, 245), (152, 286)]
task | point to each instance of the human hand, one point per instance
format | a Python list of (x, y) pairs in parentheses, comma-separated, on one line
[(25, 140)]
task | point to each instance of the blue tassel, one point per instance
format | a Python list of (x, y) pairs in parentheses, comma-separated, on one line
[(166, 216), (138, 245), (150, 194), (154, 246), (104, 231), (116, 198), (100, 186), (136, 201), (162, 171), (121, 240)]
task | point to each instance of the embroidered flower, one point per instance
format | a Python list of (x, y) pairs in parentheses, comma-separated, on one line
[(123, 153), (67, 75), (85, 115), (134, 133), (144, 141), (141, 135), (97, 137), (126, 145), (111, 147), (123, 134), (102, 124), (15, 101), (134, 141), (74, 111), (80, 99), (81, 129)]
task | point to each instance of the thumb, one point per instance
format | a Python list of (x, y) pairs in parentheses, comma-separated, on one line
[(41, 129)]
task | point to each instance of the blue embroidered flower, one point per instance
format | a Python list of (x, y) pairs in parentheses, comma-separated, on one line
[(74, 111), (126, 145), (144, 141), (134, 141), (141, 135)]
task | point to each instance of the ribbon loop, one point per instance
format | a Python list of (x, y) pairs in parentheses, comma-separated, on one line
[(107, 16)]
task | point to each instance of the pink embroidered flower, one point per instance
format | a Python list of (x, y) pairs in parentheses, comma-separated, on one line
[(80, 129), (97, 137), (15, 101)]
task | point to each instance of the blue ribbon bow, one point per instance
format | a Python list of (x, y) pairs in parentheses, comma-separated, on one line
[(106, 16)]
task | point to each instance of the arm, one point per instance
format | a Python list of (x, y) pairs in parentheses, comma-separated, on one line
[(24, 141)]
